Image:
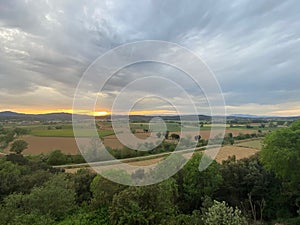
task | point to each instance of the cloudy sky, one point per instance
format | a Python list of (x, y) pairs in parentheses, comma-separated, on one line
[(253, 50)]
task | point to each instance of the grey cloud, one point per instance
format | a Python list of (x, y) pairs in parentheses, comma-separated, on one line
[(252, 48)]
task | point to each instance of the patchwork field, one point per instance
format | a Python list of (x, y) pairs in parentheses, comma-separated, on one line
[(255, 144), (46, 138)]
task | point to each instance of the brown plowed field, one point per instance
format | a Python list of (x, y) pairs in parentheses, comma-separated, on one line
[(38, 145)]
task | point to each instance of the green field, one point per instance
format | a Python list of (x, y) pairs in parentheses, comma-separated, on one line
[(65, 130), (256, 144), (176, 127)]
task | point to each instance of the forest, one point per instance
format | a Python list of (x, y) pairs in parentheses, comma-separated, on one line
[(262, 189)]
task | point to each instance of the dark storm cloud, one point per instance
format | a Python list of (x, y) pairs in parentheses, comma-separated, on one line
[(252, 48)]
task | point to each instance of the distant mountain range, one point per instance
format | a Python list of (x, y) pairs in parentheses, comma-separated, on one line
[(9, 115), (249, 116), (48, 116)]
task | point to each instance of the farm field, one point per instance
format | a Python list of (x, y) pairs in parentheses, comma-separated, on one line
[(112, 141), (67, 132), (175, 126), (46, 138), (255, 144), (38, 145), (224, 153), (231, 150)]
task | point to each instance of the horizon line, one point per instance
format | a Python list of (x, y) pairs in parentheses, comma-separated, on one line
[(106, 113)]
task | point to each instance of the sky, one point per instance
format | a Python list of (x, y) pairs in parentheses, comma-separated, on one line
[(252, 49)]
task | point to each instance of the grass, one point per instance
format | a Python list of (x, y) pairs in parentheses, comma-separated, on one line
[(66, 131), (256, 144)]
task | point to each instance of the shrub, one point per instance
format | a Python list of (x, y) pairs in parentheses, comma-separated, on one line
[(221, 214)]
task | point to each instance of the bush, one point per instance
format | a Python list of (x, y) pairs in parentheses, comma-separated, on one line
[(57, 157), (221, 214)]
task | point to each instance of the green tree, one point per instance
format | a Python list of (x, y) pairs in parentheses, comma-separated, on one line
[(20, 131), (52, 201), (247, 177), (10, 175), (103, 191), (84, 216), (56, 157), (56, 197), (198, 184), (82, 182), (280, 153), (221, 214), (167, 135), (152, 204), (18, 146)]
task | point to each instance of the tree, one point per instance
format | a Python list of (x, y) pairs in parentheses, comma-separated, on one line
[(82, 182), (198, 184), (18, 146), (175, 136), (221, 214), (103, 191), (152, 204), (167, 135), (10, 175), (280, 153), (53, 200), (20, 131), (56, 157), (56, 197), (9, 135)]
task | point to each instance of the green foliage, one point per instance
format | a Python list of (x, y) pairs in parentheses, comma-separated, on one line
[(56, 198), (198, 184), (280, 153), (20, 131), (82, 182), (185, 219), (18, 146), (248, 177), (103, 191), (222, 214), (9, 135), (145, 205), (87, 217), (57, 157), (291, 221), (9, 176)]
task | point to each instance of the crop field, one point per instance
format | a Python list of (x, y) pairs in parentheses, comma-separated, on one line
[(176, 126), (68, 133), (46, 138), (255, 144), (64, 131), (39, 145)]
